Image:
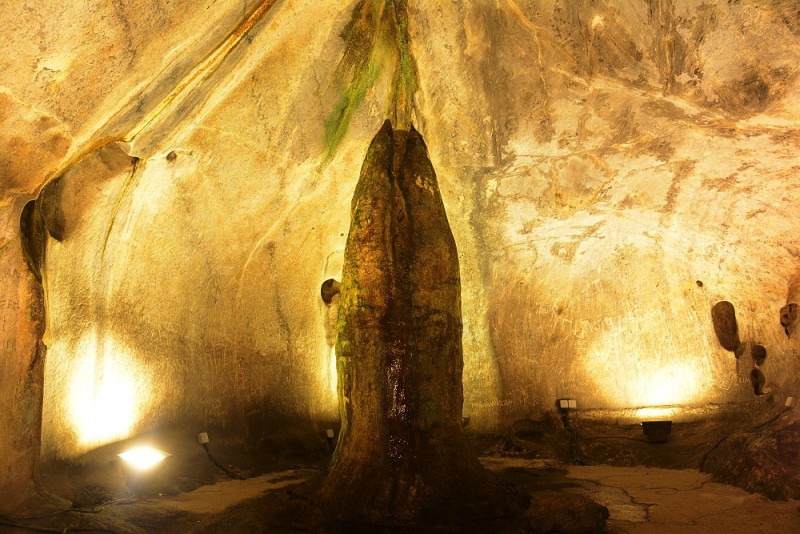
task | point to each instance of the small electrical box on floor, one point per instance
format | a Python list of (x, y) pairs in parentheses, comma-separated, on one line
[(791, 402), (202, 438), (657, 431), (568, 404)]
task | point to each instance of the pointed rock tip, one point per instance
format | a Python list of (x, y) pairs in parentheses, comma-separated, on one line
[(384, 135), (415, 137)]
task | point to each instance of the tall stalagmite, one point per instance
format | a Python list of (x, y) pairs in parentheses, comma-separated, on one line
[(402, 455)]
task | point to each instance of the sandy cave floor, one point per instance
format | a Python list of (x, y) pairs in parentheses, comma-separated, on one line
[(647, 487), (640, 500)]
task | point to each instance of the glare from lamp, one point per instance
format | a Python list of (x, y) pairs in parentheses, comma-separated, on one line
[(108, 390), (657, 413), (633, 364), (671, 383), (143, 458)]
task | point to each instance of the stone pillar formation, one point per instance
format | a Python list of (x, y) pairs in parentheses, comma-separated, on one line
[(402, 456)]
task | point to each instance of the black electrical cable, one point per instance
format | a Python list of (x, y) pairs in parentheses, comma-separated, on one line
[(615, 437), (573, 439), (219, 465), (709, 451), (774, 418), (11, 520), (64, 530), (576, 459), (575, 436), (95, 510), (761, 425)]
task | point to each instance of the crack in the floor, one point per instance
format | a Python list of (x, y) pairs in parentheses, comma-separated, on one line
[(624, 480), (622, 506)]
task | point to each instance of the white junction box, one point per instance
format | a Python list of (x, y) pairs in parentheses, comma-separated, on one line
[(568, 404)]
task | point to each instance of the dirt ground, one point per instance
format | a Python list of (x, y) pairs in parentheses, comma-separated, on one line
[(647, 487)]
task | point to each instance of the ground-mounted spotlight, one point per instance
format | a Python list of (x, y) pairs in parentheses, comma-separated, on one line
[(143, 458), (139, 468), (657, 431)]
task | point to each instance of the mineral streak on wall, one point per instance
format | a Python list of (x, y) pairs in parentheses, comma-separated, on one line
[(597, 160)]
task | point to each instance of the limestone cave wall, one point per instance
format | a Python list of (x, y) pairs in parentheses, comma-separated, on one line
[(610, 170)]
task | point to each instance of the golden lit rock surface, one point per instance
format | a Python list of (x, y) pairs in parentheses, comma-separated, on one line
[(402, 457), (610, 171)]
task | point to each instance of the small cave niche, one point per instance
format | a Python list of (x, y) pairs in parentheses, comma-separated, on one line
[(723, 316), (759, 354), (789, 318), (757, 380), (34, 237), (52, 211), (329, 289)]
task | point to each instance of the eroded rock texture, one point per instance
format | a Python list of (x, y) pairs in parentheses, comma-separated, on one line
[(596, 159), (31, 145), (22, 359), (764, 460), (402, 456)]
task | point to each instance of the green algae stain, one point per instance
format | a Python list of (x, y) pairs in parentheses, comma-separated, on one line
[(339, 120), (405, 78), (375, 38)]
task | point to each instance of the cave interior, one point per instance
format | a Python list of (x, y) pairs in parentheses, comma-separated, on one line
[(621, 182)]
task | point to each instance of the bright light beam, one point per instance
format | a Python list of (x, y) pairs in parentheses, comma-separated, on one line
[(143, 458)]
